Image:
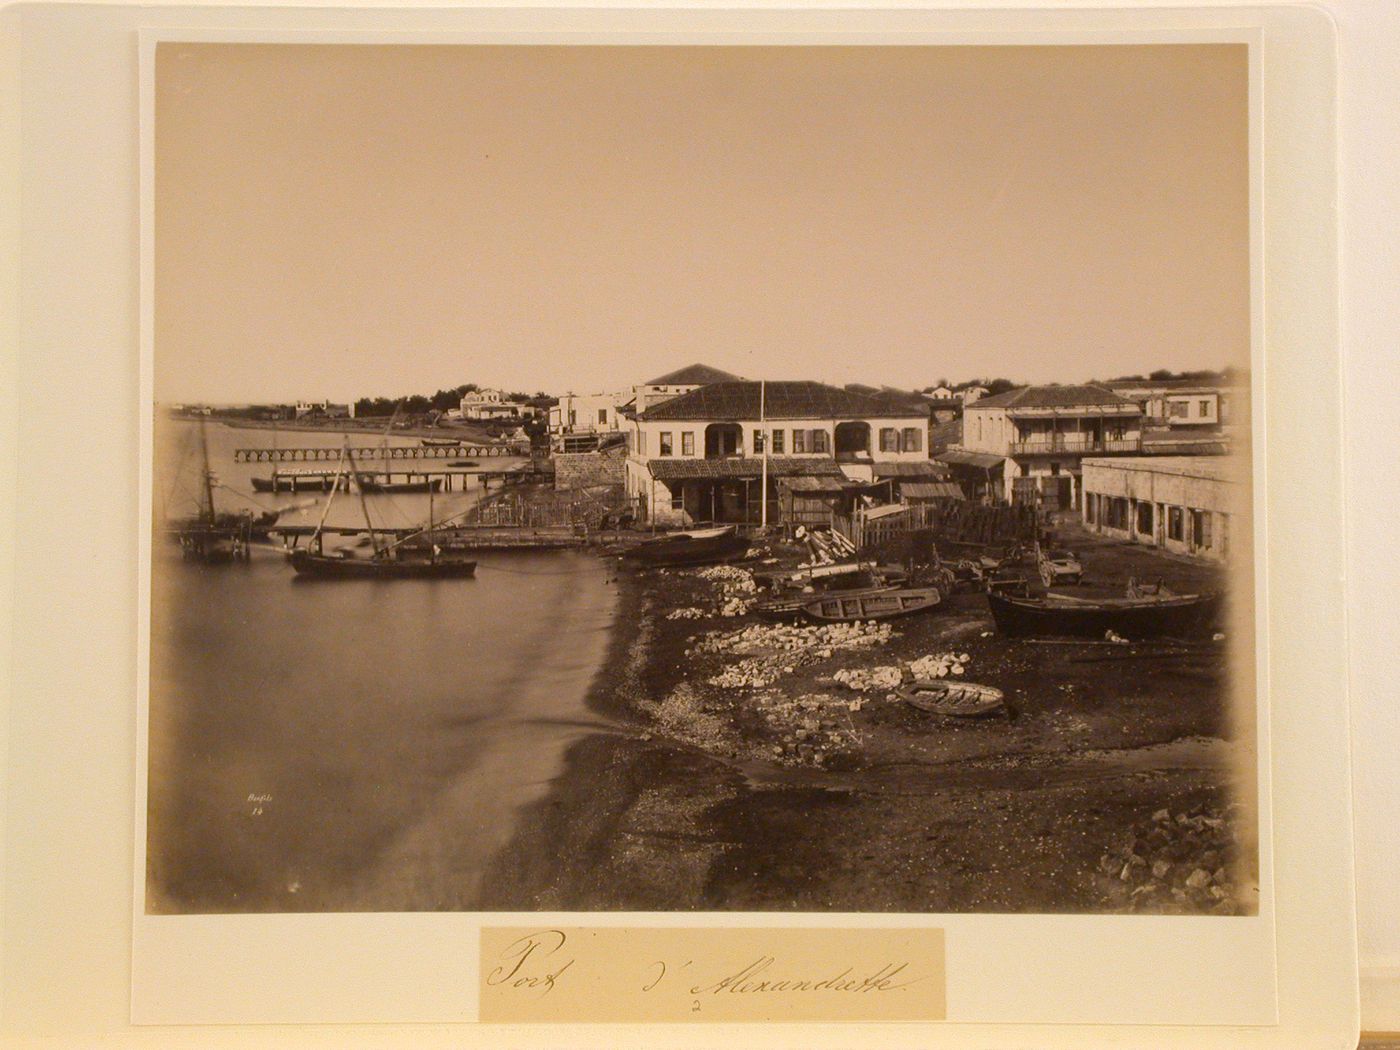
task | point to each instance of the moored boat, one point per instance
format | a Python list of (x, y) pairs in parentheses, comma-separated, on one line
[(441, 442), (838, 607), (1180, 616), (383, 565), (426, 485), (954, 698), (692, 547)]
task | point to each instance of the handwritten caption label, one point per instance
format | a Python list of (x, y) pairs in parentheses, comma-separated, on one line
[(641, 974)]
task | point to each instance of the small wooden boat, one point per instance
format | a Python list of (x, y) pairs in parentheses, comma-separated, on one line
[(426, 485), (693, 547), (838, 607), (441, 442), (955, 698), (791, 604), (296, 483), (1178, 616)]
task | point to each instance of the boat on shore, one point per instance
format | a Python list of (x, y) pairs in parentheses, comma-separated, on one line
[(836, 607), (691, 547), (792, 604), (955, 699), (1178, 616)]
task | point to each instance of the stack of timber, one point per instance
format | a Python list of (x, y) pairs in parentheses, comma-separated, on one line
[(826, 547)]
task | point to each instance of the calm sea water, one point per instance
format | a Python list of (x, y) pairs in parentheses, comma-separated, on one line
[(352, 745)]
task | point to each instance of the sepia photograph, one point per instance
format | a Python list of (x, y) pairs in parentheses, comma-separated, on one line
[(806, 479)]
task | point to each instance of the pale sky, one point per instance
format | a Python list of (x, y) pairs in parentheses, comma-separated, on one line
[(350, 221)]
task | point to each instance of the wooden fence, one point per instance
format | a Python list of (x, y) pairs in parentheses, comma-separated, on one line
[(951, 520), (541, 510)]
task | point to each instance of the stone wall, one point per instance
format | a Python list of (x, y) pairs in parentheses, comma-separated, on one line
[(582, 470)]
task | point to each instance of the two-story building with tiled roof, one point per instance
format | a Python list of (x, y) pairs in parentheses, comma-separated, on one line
[(1029, 443), (699, 457), (681, 381)]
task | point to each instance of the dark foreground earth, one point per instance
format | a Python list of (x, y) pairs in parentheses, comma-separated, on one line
[(747, 774)]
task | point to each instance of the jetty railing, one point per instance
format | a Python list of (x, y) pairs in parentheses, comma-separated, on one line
[(370, 453)]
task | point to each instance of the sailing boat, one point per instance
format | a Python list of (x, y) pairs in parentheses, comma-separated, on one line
[(210, 537), (397, 560)]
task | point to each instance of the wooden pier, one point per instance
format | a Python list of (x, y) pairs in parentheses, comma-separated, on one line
[(315, 479), (365, 454)]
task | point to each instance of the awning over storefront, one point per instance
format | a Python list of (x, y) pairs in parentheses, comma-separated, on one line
[(805, 483), (930, 490), (957, 457), (922, 469), (742, 467)]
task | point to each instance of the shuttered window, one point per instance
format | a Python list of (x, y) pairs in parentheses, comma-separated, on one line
[(799, 441), (889, 439), (688, 443), (777, 442), (911, 442), (819, 441)]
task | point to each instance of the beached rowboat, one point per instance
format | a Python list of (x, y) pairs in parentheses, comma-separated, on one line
[(693, 547), (1178, 616), (839, 607), (958, 699)]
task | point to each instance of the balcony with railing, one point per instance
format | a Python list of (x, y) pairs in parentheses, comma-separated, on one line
[(1073, 445)]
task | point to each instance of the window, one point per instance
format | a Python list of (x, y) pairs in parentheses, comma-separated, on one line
[(1144, 519), (1200, 528), (911, 440), (1177, 409), (665, 442), (1091, 504), (799, 441), (777, 442), (602, 415), (1205, 409), (889, 439), (688, 443), (819, 442), (1054, 468), (678, 498), (758, 442), (1174, 529)]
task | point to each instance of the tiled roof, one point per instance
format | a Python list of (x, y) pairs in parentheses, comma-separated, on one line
[(782, 399), (692, 375), (1054, 397), (742, 467)]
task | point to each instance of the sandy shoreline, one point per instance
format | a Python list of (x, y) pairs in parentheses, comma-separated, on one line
[(1022, 816)]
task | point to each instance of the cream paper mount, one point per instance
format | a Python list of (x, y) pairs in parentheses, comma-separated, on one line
[(91, 962)]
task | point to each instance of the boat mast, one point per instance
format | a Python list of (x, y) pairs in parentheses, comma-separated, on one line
[(335, 483), (364, 507), (206, 511)]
